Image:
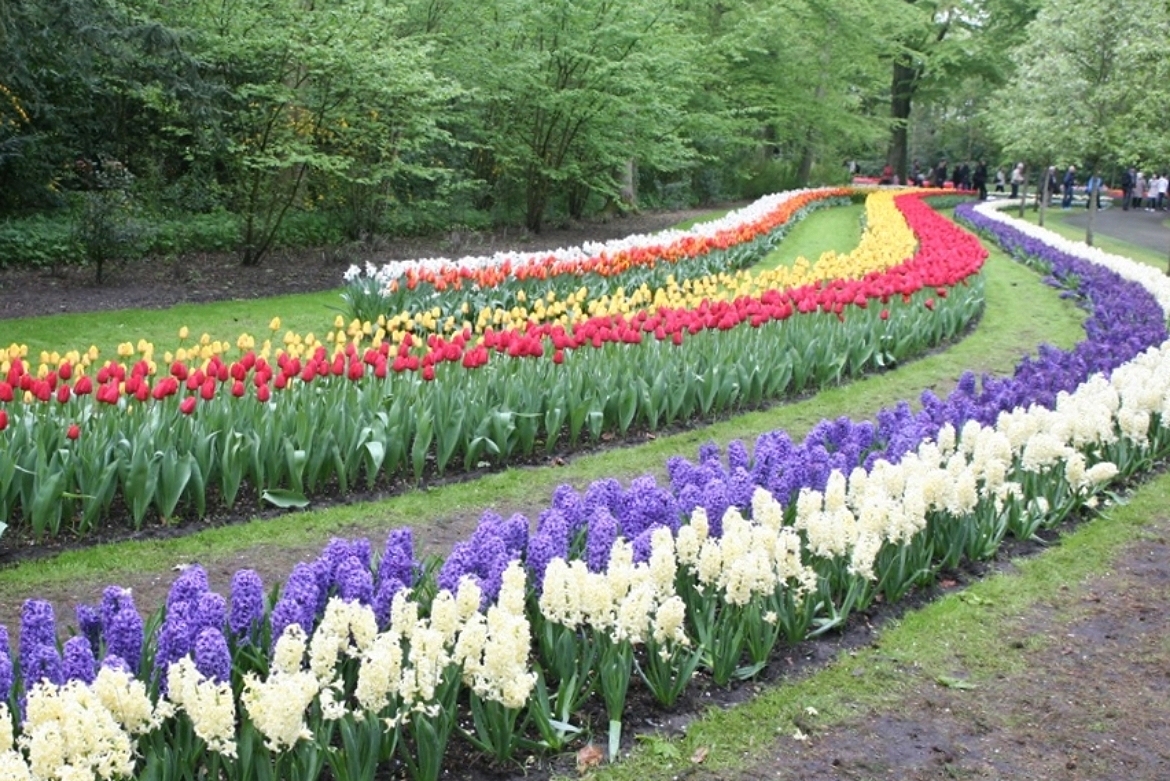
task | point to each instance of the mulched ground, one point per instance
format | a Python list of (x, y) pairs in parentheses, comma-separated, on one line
[(162, 282)]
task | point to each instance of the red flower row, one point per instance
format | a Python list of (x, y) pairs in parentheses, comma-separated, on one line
[(946, 256)]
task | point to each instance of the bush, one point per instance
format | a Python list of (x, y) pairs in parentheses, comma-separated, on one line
[(40, 242)]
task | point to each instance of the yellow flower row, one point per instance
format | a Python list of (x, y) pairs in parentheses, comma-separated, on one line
[(886, 242)]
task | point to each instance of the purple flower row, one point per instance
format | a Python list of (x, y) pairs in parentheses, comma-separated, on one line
[(1124, 319)]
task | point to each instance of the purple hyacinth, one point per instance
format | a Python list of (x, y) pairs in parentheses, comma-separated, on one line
[(463, 561), (648, 504), (603, 532), (384, 599), (7, 675), (355, 583), (606, 493), (210, 611), (89, 622), (550, 541), (737, 455), (642, 546), (38, 629), (189, 586), (298, 601), (571, 505), (174, 642), (125, 634), (116, 663), (397, 562), (5, 643), (43, 664), (79, 663), (247, 605), (212, 658), (494, 558)]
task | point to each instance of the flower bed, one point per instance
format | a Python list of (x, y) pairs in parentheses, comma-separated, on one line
[(375, 658), (179, 442)]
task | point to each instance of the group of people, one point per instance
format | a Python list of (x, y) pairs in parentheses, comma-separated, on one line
[(1139, 191)]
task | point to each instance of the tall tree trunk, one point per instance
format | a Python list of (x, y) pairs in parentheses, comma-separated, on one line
[(903, 84)]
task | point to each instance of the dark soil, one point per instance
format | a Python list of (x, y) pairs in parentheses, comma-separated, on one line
[(1092, 702), (163, 282)]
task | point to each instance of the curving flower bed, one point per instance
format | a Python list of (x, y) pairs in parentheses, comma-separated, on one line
[(365, 661), (188, 438)]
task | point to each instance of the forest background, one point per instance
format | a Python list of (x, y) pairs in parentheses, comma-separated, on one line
[(132, 128)]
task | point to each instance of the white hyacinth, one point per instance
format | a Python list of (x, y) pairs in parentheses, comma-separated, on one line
[(68, 733), (209, 704)]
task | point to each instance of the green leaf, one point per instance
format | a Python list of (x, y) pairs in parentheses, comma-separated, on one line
[(285, 499)]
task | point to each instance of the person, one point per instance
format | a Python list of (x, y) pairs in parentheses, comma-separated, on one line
[(1093, 190), (1000, 180), (957, 177), (1127, 183), (887, 174), (1163, 187), (1139, 189), (979, 179), (1070, 182), (1017, 179), (940, 174), (1053, 184), (915, 175), (1151, 192)]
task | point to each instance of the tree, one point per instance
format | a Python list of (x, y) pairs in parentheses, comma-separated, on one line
[(943, 44), (568, 96), (1083, 76), (809, 70), (314, 101)]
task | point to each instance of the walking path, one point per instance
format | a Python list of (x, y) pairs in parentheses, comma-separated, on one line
[(1146, 229)]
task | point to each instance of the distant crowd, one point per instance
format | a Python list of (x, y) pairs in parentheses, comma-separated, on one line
[(1139, 190)]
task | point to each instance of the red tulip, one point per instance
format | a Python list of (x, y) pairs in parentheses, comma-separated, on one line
[(885, 315), (3, 419), (428, 373), (263, 393), (237, 389), (74, 431), (5, 391), (83, 386), (65, 372), (63, 394), (187, 405)]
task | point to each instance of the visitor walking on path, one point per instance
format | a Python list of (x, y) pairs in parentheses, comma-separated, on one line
[(1017, 179), (1070, 182), (1127, 183), (980, 180), (1000, 180), (1139, 189)]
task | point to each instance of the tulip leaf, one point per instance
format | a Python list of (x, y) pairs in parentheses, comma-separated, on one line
[(285, 499)]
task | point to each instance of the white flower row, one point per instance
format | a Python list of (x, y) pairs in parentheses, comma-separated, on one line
[(1152, 279), (731, 221)]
